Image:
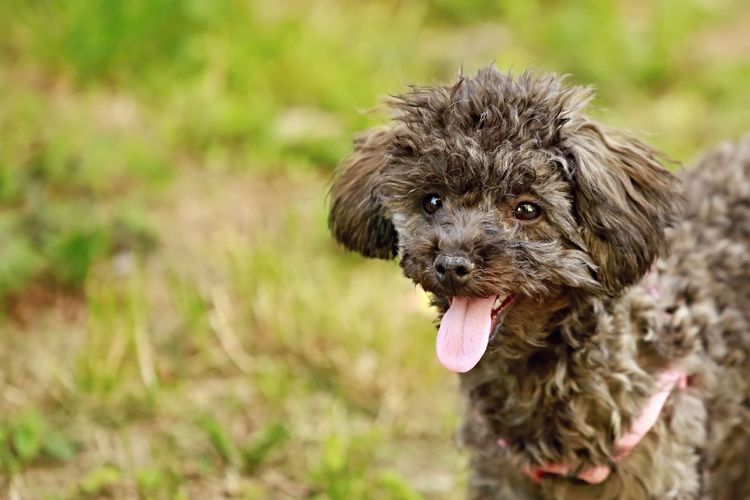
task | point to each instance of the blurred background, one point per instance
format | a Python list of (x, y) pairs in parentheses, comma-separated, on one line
[(175, 321)]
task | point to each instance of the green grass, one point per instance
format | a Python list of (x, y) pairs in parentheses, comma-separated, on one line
[(176, 321)]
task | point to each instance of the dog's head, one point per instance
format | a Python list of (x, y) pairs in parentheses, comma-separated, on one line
[(500, 189)]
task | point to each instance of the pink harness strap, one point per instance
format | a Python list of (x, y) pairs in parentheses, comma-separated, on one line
[(666, 382)]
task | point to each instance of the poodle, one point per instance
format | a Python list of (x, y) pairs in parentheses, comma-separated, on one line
[(596, 306)]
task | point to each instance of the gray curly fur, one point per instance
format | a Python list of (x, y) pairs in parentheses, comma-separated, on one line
[(574, 360)]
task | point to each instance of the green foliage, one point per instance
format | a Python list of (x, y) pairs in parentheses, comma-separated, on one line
[(249, 457), (345, 467), (397, 487), (220, 441), (262, 85), (340, 474), (27, 439), (157, 483), (66, 199), (263, 444), (19, 263), (110, 41), (99, 481), (627, 52)]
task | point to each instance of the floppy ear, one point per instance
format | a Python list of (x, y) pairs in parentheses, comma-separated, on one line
[(357, 218), (624, 199)]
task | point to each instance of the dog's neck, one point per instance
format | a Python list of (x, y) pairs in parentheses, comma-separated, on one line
[(560, 384)]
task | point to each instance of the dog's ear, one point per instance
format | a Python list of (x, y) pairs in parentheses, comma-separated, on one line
[(357, 218), (623, 197)]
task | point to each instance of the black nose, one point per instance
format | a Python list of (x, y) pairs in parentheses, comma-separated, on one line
[(453, 270)]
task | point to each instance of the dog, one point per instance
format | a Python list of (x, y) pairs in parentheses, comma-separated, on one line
[(596, 306)]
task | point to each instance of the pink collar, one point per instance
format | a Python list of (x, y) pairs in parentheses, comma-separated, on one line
[(666, 382)]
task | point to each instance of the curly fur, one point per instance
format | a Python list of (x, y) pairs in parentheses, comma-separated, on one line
[(573, 361)]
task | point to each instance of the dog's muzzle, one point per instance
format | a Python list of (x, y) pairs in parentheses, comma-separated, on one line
[(453, 270)]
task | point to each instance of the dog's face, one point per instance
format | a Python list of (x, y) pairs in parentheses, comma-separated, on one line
[(498, 190)]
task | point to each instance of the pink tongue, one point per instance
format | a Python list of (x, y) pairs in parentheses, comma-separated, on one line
[(464, 333)]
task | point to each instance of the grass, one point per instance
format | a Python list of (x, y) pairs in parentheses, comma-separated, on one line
[(176, 321)]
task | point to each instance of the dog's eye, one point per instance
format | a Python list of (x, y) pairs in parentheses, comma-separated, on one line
[(527, 211), (432, 203)]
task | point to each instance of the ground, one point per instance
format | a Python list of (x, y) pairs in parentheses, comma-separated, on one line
[(223, 381)]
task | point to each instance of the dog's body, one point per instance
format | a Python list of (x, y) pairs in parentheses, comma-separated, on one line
[(499, 190), (699, 317)]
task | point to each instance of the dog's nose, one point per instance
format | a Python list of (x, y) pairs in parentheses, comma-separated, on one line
[(453, 270)]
